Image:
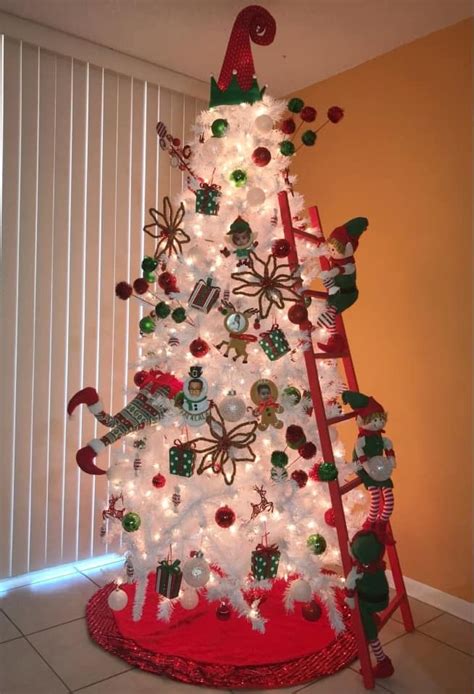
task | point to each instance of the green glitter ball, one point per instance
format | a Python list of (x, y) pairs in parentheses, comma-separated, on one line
[(219, 127), (238, 178), (292, 395), (149, 277), (149, 264), (316, 543), (279, 459), (327, 472), (178, 315), (287, 148), (295, 105), (147, 325), (162, 309), (131, 522), (308, 138)]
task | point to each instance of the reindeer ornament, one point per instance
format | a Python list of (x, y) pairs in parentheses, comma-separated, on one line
[(236, 323)]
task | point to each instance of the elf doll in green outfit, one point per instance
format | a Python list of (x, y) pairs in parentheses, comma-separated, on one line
[(374, 460), (367, 579), (242, 239)]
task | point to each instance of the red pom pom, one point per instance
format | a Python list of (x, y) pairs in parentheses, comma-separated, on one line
[(123, 290), (261, 156), (330, 517), (335, 114), (300, 477), (225, 517), (288, 126), (139, 378), (281, 248), (311, 611), (199, 348), (307, 450), (140, 285), (294, 433), (159, 481), (168, 282), (176, 141), (308, 114), (298, 313)]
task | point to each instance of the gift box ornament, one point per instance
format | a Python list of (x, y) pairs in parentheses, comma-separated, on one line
[(207, 199), (168, 578), (204, 295), (274, 343), (181, 458), (265, 560)]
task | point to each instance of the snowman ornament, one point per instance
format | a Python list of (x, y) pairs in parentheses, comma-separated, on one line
[(195, 402)]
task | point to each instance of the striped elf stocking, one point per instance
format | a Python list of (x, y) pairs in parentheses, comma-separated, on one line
[(388, 504), (377, 650), (375, 503)]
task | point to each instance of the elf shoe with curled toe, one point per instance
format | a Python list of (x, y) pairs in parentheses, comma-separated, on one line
[(383, 668), (336, 344), (87, 396)]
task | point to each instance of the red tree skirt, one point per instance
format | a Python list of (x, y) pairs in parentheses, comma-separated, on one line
[(196, 647)]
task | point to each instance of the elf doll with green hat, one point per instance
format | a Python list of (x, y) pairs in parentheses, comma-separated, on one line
[(374, 459), (242, 239), (338, 272), (367, 579)]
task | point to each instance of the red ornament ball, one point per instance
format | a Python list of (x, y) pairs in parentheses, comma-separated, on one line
[(139, 377), (199, 348), (281, 248), (140, 285), (297, 314), (288, 126), (311, 611), (225, 517), (335, 114), (167, 282), (176, 141), (330, 517), (261, 156), (159, 481), (307, 450), (123, 290), (300, 477), (224, 612), (308, 114)]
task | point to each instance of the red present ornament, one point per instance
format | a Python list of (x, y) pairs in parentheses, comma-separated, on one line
[(168, 578), (204, 295)]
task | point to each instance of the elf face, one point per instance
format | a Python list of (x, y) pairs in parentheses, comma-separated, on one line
[(335, 251), (375, 422), (241, 239)]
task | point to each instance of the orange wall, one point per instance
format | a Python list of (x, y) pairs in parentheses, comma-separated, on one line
[(402, 157)]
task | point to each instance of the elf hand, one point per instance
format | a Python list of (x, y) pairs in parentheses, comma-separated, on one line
[(329, 274)]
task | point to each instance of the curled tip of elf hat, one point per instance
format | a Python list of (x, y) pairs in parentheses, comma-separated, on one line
[(367, 547), (363, 405)]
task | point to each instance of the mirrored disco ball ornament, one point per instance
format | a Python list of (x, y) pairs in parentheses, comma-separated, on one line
[(232, 407), (379, 468), (117, 599), (196, 571)]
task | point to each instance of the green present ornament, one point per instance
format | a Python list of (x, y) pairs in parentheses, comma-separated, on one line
[(168, 578), (265, 560), (131, 522), (181, 459), (316, 543), (274, 343), (207, 199), (327, 472)]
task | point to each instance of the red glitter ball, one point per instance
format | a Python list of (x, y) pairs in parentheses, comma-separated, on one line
[(199, 348), (123, 290), (335, 114), (159, 481), (140, 285), (297, 314), (300, 477), (139, 377), (307, 450), (261, 156), (330, 517), (225, 517), (311, 611), (294, 433), (308, 114), (288, 126), (167, 281), (281, 248)]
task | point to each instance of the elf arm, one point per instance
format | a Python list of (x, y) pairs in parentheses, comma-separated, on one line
[(360, 457), (388, 449), (350, 587)]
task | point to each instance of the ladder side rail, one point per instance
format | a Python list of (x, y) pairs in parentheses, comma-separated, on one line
[(400, 588)]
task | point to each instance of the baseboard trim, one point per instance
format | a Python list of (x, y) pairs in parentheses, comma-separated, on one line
[(432, 596)]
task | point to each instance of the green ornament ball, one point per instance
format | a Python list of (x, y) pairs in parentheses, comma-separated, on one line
[(292, 395), (149, 264), (279, 459), (308, 138), (295, 105), (131, 522), (287, 148), (238, 178), (327, 472), (316, 543), (179, 315), (147, 325), (219, 127), (162, 309), (149, 277)]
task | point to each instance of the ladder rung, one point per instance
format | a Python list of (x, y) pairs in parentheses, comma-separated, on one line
[(349, 486), (326, 355), (342, 418), (304, 235), (392, 607), (315, 293)]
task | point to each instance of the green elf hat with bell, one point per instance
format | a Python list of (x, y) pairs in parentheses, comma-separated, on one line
[(239, 225), (366, 547), (350, 232), (363, 405), (237, 83)]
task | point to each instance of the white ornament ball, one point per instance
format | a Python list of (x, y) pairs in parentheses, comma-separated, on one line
[(300, 590), (264, 123), (196, 572), (189, 599), (117, 600), (232, 407), (379, 467), (255, 197), (212, 147)]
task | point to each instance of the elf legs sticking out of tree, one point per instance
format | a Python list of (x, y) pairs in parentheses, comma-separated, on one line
[(367, 578), (338, 272), (374, 460)]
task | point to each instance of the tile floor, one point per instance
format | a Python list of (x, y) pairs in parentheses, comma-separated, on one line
[(45, 649)]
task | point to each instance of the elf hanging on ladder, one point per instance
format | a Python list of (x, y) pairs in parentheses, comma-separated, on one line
[(338, 273), (374, 460)]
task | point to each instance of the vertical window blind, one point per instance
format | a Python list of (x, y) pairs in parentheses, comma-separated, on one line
[(80, 164)]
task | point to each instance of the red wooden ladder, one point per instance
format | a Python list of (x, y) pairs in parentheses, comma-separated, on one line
[(337, 491)]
